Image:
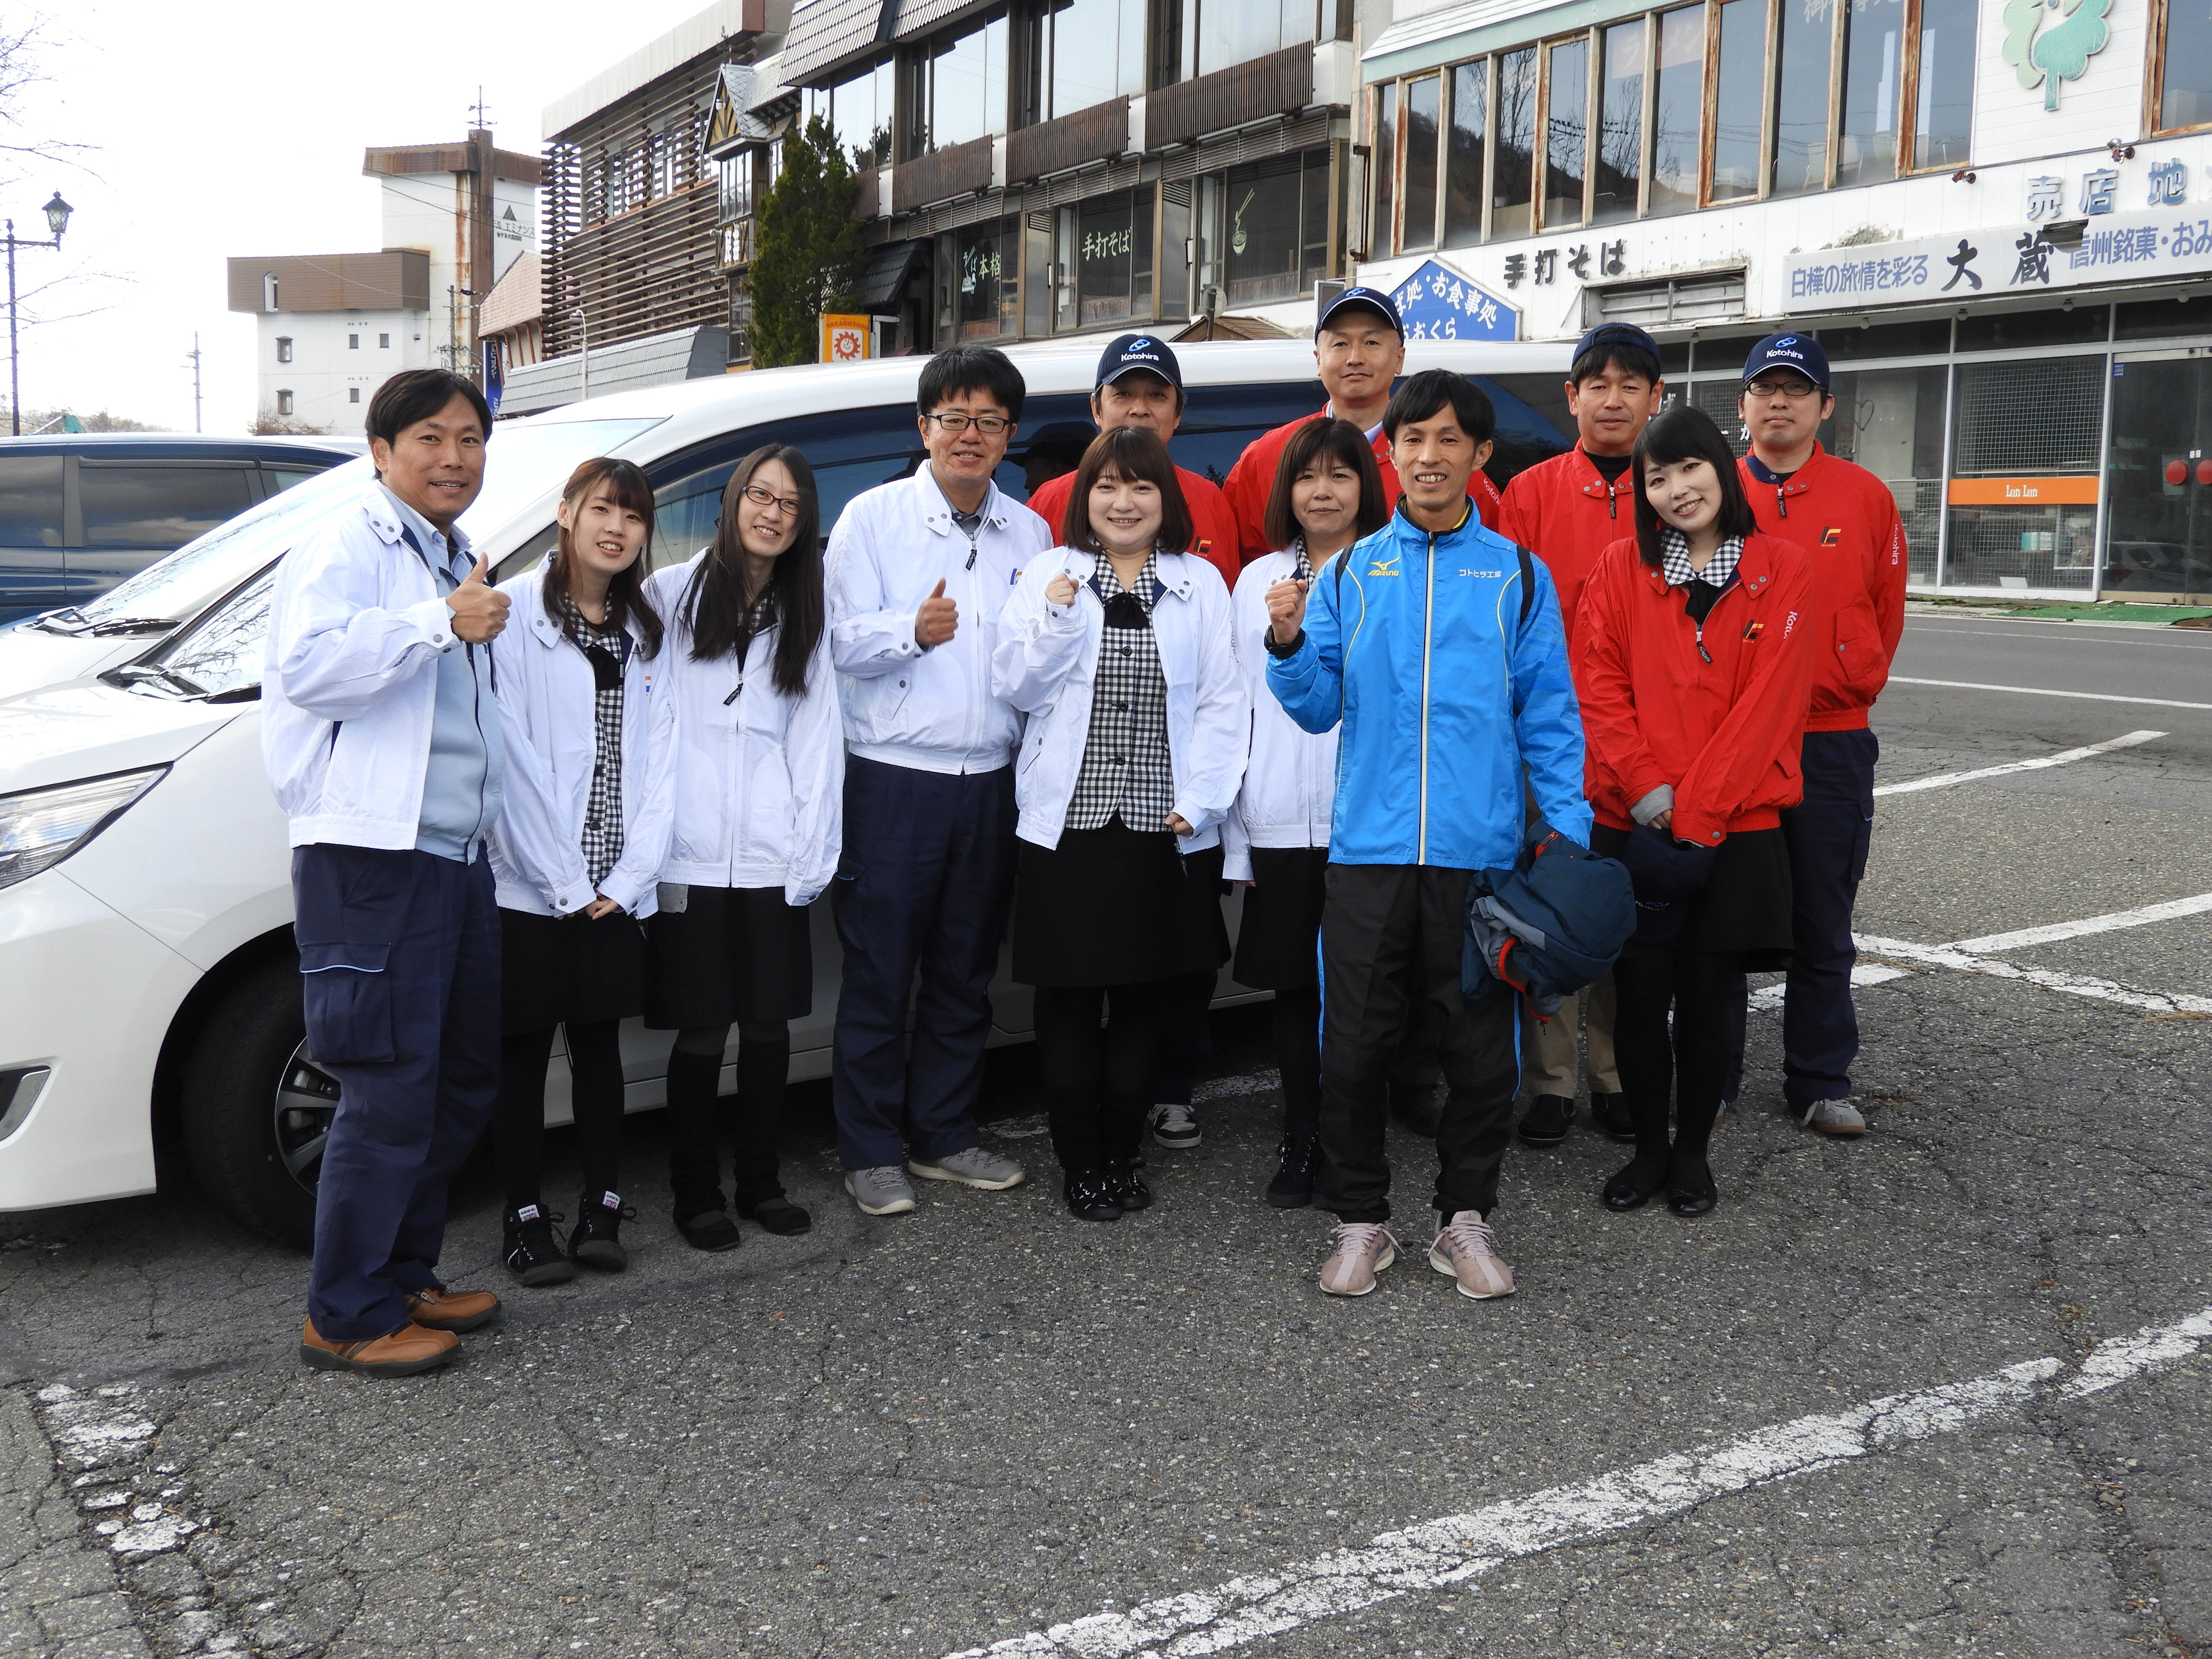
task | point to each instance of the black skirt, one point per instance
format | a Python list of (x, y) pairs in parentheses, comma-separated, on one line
[(568, 970), (729, 954), (1744, 910), (1279, 938), (1116, 906)]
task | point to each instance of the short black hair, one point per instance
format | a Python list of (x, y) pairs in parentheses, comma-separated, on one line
[(971, 368), (417, 394), (1434, 389), (1615, 353), (1686, 433)]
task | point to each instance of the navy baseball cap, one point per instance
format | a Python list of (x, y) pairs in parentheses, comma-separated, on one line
[(1801, 352), (1615, 334), (1131, 352), (1373, 298)]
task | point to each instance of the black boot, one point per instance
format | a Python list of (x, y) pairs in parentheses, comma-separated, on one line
[(596, 1242), (776, 1214), (532, 1253), (1292, 1186), (1127, 1187)]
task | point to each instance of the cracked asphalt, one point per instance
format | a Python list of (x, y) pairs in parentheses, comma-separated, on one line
[(915, 1435)]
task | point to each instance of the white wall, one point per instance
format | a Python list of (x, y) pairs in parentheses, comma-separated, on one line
[(336, 356)]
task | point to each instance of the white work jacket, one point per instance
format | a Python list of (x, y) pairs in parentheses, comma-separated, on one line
[(349, 683), (932, 710), (1047, 659), (1289, 773), (548, 698), (759, 784)]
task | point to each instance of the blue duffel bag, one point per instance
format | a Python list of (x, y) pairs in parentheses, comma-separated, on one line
[(1551, 925)]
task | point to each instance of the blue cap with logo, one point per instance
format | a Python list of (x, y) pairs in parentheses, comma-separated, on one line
[(1128, 353), (1800, 352), (1373, 298)]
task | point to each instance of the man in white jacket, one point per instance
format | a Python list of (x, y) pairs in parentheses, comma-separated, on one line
[(918, 571), (382, 740)]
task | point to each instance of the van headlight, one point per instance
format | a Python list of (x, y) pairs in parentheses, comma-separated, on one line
[(41, 827)]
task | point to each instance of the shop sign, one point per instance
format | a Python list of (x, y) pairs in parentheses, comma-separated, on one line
[(2008, 259), (845, 339), (2023, 492), (1437, 303)]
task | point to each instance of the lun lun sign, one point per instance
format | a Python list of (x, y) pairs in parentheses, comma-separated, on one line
[(2007, 260)]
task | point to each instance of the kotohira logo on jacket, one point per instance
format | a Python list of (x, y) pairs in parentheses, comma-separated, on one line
[(1444, 690)]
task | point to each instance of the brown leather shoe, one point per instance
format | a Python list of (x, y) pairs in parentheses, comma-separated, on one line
[(452, 1311), (395, 1353)]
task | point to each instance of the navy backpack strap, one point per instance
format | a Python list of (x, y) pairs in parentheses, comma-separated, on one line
[(1527, 583)]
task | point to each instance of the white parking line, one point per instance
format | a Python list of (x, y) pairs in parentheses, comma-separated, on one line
[(2079, 985), (2044, 691), (1768, 998), (1450, 1551), (1944, 780), (2052, 932)]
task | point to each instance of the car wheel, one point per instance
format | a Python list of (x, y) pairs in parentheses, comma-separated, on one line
[(256, 1108)]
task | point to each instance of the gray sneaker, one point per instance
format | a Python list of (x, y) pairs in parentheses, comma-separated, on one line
[(883, 1190), (986, 1171), (1835, 1117)]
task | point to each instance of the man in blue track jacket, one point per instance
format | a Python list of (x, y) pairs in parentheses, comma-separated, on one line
[(1438, 647)]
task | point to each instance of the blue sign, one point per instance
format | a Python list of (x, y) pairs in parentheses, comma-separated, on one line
[(1437, 303), (494, 373)]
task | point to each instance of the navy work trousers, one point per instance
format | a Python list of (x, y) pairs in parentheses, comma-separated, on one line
[(1827, 833), (400, 979), (925, 884)]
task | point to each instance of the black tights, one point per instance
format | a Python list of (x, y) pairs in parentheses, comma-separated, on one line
[(1296, 1030), (1097, 1083), (1691, 1065), (595, 1088), (694, 1077)]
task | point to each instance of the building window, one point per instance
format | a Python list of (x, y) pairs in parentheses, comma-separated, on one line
[(1566, 132), (1424, 105), (958, 88), (1383, 163), (1617, 166), (860, 108), (978, 283), (1800, 95), (284, 402), (1105, 262), (1873, 58), (1943, 85), (283, 348), (1217, 34), (1679, 110), (1513, 179), (1470, 110), (1264, 229), (1736, 121), (353, 343), (352, 394), (1090, 50), (2182, 44), (384, 342)]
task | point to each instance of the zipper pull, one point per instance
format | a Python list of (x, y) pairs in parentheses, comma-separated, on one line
[(732, 697), (1611, 503), (1702, 652), (1781, 500), (971, 555)]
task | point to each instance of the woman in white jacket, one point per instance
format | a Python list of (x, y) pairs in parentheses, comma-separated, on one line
[(759, 788), (576, 853), (1117, 649), (1327, 495)]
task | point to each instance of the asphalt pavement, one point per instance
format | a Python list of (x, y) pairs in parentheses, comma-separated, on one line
[(1889, 1397)]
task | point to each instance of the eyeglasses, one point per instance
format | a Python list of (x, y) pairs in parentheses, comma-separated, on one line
[(1796, 390), (989, 425), (760, 496)]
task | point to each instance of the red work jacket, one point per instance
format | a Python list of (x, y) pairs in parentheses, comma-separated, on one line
[(1213, 531), (1564, 512), (1716, 710), (1252, 480)]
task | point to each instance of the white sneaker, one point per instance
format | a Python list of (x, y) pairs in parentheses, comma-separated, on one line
[(985, 1171), (1466, 1250), (1361, 1249), (1176, 1126), (1835, 1117)]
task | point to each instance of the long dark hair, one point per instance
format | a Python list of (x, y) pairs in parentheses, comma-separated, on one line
[(1131, 453), (627, 602), (1686, 433), (715, 601), (1319, 439)]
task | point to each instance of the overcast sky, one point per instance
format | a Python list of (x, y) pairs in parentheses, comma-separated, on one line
[(222, 128)]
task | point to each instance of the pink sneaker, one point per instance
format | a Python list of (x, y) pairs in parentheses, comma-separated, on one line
[(1466, 1249), (1362, 1249)]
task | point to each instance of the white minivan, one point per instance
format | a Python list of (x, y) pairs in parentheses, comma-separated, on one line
[(148, 990)]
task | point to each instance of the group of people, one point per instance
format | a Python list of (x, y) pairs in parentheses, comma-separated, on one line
[(1346, 681)]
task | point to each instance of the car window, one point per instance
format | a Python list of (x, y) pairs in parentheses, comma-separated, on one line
[(31, 501), (1533, 422), (221, 654), (282, 479), (158, 506)]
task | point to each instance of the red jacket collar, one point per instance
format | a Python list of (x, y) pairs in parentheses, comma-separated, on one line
[(1591, 482), (1798, 482)]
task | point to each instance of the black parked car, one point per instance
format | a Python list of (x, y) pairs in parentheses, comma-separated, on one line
[(81, 512)]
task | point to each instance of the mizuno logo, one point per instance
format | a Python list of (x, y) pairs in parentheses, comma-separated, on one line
[(1385, 567)]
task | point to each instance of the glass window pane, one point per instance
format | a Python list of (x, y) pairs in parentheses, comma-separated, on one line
[(2185, 95), (2023, 546), (1383, 162), (1424, 99), (1470, 108), (1105, 243), (1678, 110), (1943, 123), (2159, 536), (1175, 240), (1800, 96), (1513, 173), (955, 93), (31, 501), (1890, 421), (1567, 147), (1090, 41), (1262, 229), (158, 506), (1739, 85), (1140, 252), (986, 293), (1314, 218), (1874, 36), (1619, 158)]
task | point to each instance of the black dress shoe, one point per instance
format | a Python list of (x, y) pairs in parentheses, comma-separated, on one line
[(778, 1215), (710, 1230), (1634, 1185), (1127, 1187), (1609, 1114), (1544, 1122), (1089, 1196), (1690, 1189)]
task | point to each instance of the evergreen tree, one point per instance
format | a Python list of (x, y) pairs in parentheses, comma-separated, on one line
[(808, 256)]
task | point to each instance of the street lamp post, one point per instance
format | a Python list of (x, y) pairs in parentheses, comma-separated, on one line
[(58, 218), (583, 350)]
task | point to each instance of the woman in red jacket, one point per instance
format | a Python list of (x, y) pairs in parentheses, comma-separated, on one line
[(1694, 662)]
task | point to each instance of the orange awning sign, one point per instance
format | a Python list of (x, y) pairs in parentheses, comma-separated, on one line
[(2024, 492)]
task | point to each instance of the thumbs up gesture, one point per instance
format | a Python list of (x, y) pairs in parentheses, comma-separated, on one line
[(1286, 610), (938, 620), (479, 609)]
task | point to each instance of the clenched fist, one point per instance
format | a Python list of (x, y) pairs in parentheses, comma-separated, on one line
[(1061, 589), (1286, 610), (938, 620), (479, 610)]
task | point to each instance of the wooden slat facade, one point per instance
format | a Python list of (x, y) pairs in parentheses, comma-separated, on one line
[(942, 174), (1095, 134)]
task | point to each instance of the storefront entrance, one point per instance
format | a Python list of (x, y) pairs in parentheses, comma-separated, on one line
[(2159, 534)]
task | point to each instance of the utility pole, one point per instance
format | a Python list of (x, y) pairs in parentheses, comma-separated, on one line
[(193, 357)]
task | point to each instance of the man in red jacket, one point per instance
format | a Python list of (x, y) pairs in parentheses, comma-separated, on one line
[(1141, 384), (1846, 519), (1359, 349), (1567, 510)]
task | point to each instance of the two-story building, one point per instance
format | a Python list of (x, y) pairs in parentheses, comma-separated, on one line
[(1996, 219)]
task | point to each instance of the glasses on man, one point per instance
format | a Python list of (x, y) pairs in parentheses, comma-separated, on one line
[(989, 425), (1793, 388), (760, 496)]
